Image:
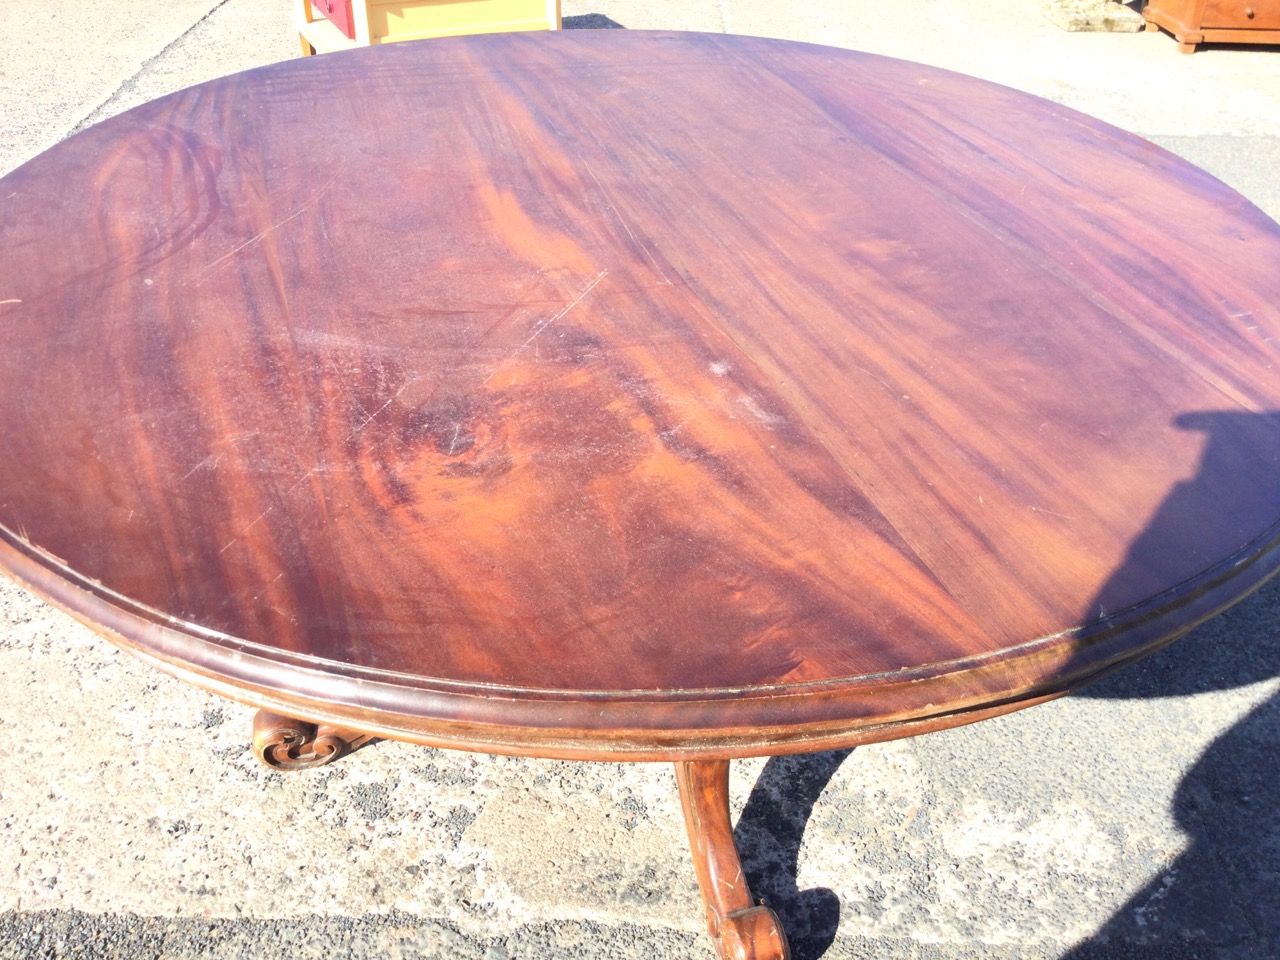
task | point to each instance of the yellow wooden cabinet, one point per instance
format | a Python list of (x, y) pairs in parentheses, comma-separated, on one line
[(327, 25)]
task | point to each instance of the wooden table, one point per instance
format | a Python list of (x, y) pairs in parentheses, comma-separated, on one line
[(625, 396)]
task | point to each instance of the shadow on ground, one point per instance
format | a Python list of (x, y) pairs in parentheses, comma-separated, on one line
[(590, 21), (1221, 897), (769, 834)]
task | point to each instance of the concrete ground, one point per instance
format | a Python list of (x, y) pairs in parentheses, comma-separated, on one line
[(1139, 819)]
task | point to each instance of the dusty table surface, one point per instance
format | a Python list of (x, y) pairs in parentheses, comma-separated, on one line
[(670, 393)]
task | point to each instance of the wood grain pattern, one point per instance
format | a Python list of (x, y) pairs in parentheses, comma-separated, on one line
[(633, 395)]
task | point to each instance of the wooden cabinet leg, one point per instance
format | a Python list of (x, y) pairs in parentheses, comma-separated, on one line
[(740, 928), (288, 744)]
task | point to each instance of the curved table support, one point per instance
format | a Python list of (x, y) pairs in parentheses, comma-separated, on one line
[(287, 744), (740, 928)]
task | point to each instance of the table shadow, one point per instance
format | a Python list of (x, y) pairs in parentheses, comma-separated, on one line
[(769, 834), (590, 21), (1221, 896)]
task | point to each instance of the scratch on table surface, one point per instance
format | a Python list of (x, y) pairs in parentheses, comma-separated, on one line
[(373, 416), (236, 539), (10, 300), (302, 208), (259, 519), (670, 434), (305, 477), (885, 383), (627, 227), (542, 325), (1051, 513), (537, 331), (984, 225), (210, 461)]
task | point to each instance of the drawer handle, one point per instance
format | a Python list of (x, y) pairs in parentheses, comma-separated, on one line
[(1249, 12)]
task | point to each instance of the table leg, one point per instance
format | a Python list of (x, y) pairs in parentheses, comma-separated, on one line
[(740, 928), (288, 744)]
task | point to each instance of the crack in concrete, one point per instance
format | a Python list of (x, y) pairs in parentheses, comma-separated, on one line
[(102, 109)]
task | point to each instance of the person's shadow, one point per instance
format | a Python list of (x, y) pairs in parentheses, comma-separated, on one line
[(1222, 895)]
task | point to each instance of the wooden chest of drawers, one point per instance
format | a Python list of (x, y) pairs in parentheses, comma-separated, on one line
[(1194, 22)]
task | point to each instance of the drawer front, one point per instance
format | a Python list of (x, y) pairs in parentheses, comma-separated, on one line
[(338, 12), (409, 19), (1242, 14)]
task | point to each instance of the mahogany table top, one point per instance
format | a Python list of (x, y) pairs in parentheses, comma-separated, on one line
[(610, 394)]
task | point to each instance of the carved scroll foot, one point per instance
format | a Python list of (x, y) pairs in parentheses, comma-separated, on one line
[(740, 928), (288, 744)]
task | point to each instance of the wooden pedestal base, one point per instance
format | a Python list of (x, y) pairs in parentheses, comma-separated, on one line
[(740, 928), (290, 744)]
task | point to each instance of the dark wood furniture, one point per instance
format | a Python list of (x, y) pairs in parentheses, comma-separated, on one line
[(1193, 22), (632, 396)]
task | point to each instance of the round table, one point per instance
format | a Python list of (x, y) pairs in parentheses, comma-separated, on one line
[(626, 396)]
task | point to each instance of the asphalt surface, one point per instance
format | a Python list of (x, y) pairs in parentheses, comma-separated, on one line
[(1138, 819)]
